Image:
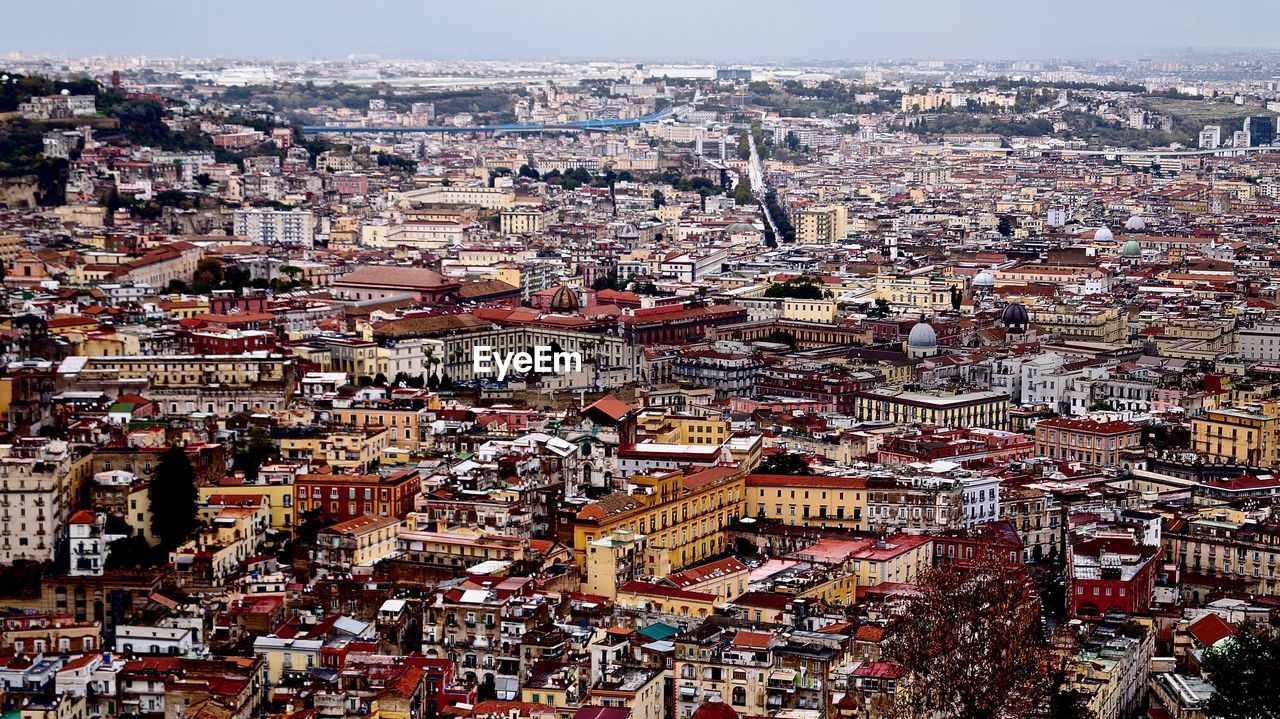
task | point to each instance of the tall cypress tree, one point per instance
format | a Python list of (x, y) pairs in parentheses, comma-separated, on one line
[(173, 498)]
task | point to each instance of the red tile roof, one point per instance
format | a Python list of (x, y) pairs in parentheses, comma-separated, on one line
[(1211, 629)]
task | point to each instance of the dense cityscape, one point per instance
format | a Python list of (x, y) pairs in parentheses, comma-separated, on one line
[(367, 388)]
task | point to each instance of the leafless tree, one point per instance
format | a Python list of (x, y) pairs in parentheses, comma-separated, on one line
[(970, 644)]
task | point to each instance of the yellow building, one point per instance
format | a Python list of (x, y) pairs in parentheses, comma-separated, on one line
[(356, 357), (823, 224), (63, 706), (138, 512), (682, 429), (346, 450), (360, 542), (551, 689), (899, 558), (815, 311), (817, 501), (406, 427), (1236, 436), (661, 599), (726, 578), (925, 101), (969, 409), (491, 198), (10, 247), (683, 515), (614, 560), (636, 688), (185, 309), (279, 499), (104, 344), (459, 548), (187, 370), (279, 654), (840, 588), (520, 221), (1088, 324), (921, 292)]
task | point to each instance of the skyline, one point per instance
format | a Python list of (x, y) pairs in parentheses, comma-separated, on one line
[(658, 32)]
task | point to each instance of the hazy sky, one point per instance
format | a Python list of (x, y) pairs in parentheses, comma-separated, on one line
[(741, 30)]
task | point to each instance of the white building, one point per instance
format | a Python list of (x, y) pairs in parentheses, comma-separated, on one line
[(35, 489), (88, 543), (277, 227), (175, 636), (1211, 137), (981, 499), (92, 676), (1260, 343)]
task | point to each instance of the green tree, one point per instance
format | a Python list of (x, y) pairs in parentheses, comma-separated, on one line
[(956, 298), (208, 272), (1245, 671), (785, 463), (607, 281), (258, 449), (1005, 228), (659, 199), (173, 498), (781, 337), (742, 194), (526, 171), (796, 288), (792, 141)]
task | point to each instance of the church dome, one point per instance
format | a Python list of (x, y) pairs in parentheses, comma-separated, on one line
[(565, 300), (1135, 224), (714, 710), (922, 337), (984, 279), (1014, 317), (1131, 249), (740, 228), (1102, 234)]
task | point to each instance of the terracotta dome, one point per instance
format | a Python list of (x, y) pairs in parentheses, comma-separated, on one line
[(714, 710), (565, 300)]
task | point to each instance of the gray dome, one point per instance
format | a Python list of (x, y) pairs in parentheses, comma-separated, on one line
[(1014, 316), (1102, 234), (739, 228), (922, 337), (1135, 223), (984, 279)]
